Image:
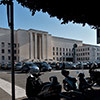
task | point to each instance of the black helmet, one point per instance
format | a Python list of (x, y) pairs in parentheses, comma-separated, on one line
[(53, 79), (81, 75), (65, 72)]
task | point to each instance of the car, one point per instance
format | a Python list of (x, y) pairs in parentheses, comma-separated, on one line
[(43, 66), (3, 66), (27, 66), (9, 66), (53, 65), (18, 66)]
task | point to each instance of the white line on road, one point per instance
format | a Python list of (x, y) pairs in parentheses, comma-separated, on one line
[(6, 86)]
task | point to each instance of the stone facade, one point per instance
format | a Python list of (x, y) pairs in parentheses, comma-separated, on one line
[(35, 45)]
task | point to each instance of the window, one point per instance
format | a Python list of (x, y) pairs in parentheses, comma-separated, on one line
[(14, 45), (14, 51), (53, 48), (3, 57), (57, 53), (15, 58), (9, 45), (9, 51), (69, 49), (2, 44), (53, 58), (63, 54), (9, 58), (3, 51), (57, 59), (56, 48), (60, 49), (63, 49), (53, 53)]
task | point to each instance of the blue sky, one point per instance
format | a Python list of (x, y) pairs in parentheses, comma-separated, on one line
[(42, 21)]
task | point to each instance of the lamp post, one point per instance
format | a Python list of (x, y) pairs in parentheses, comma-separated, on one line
[(74, 52), (9, 4)]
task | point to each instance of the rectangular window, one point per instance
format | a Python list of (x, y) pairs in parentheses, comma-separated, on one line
[(53, 48), (14, 51), (9, 45), (2, 51), (9, 51), (14, 45), (60, 49), (63, 49), (2, 44), (56, 48), (3, 57), (15, 58), (57, 53), (53, 53), (53, 58), (9, 58)]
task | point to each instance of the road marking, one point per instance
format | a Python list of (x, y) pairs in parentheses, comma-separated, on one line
[(6, 86)]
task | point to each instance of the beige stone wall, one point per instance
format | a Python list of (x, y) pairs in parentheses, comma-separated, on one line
[(24, 48), (5, 37)]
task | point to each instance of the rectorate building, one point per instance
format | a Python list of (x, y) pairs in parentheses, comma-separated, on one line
[(36, 45)]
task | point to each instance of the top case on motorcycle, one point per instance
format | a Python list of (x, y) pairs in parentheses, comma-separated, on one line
[(72, 79), (95, 74), (31, 88)]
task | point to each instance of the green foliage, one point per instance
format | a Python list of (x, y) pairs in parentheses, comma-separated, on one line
[(68, 10)]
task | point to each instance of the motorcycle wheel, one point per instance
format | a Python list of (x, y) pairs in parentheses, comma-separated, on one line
[(89, 80)]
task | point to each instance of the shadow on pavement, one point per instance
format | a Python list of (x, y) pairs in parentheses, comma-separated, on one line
[(89, 95)]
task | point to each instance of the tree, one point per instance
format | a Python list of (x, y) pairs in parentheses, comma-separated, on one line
[(69, 11)]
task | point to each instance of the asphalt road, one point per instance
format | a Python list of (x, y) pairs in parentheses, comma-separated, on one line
[(20, 80)]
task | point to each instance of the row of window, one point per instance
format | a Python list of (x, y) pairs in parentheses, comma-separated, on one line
[(9, 51), (83, 58), (9, 58), (62, 54), (61, 49), (83, 54), (62, 59), (83, 49), (9, 45)]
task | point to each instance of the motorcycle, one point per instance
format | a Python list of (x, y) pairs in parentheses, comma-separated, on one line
[(94, 75), (70, 84), (35, 88)]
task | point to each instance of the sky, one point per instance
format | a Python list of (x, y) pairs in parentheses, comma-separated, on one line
[(23, 19)]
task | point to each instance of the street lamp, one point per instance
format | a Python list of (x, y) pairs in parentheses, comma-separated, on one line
[(9, 4), (74, 52)]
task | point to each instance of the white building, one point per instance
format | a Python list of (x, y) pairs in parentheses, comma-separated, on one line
[(39, 45), (88, 53)]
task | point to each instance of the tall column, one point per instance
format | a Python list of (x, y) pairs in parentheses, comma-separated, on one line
[(47, 48), (35, 45), (40, 47), (31, 46), (43, 47)]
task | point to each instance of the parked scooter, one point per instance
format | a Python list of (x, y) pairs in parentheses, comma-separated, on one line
[(94, 75), (35, 88), (70, 83)]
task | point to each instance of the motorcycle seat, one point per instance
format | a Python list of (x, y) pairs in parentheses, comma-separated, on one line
[(72, 79)]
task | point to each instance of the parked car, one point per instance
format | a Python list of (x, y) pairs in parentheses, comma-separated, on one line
[(59, 66), (68, 66), (9, 66), (18, 66), (3, 66), (43, 66), (27, 66), (53, 65)]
